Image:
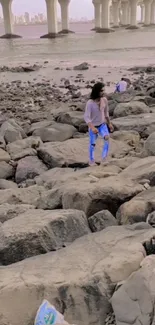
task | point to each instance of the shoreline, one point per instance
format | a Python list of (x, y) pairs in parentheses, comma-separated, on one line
[(56, 73)]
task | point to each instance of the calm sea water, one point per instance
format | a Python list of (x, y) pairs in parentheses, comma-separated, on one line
[(121, 48)]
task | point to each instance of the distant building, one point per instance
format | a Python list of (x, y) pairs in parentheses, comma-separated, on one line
[(36, 19), (41, 17), (27, 18)]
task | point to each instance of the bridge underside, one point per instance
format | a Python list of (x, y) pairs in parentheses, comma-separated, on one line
[(108, 16)]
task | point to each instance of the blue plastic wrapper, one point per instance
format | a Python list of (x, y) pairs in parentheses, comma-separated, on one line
[(48, 315)]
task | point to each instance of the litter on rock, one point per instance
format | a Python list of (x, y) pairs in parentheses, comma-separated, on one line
[(48, 315)]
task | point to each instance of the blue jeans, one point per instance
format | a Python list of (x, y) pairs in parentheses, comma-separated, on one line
[(103, 132)]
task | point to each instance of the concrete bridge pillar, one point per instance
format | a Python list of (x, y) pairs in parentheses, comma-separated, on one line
[(105, 16), (97, 13), (147, 18), (125, 13), (64, 5), (142, 13), (120, 15), (115, 11), (153, 13), (133, 15), (8, 19), (52, 22)]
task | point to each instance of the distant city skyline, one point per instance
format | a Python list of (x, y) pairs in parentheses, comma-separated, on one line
[(40, 18), (76, 12), (19, 7)]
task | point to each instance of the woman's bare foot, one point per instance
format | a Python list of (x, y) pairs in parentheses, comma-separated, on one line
[(104, 162), (92, 163)]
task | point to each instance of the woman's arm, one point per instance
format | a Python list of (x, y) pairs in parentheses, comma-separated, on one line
[(106, 113)]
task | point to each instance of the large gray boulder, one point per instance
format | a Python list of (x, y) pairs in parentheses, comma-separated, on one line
[(82, 66), (54, 177), (55, 132), (137, 209), (50, 200), (57, 176), (29, 195), (149, 146), (5, 184), (141, 169), (122, 162), (25, 147), (6, 170), (74, 152), (39, 125), (10, 211), (124, 97), (4, 156), (28, 168), (130, 137), (133, 211), (134, 301), (11, 131), (131, 108), (74, 118), (80, 277), (37, 232), (137, 123), (101, 220), (91, 189), (104, 194)]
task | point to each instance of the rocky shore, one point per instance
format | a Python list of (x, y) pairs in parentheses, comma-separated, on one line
[(81, 237)]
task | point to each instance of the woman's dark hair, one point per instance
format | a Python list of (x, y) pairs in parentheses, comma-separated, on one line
[(97, 88)]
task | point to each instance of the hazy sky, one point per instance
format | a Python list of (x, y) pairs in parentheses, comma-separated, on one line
[(76, 11), (34, 6)]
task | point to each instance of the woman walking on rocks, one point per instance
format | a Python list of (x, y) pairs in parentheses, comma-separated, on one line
[(97, 117)]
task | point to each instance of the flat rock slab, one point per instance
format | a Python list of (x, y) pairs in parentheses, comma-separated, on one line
[(135, 122), (105, 194), (28, 168), (10, 211), (28, 195), (141, 169), (37, 232), (74, 152), (54, 176), (80, 277), (57, 176), (90, 189), (122, 162)]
